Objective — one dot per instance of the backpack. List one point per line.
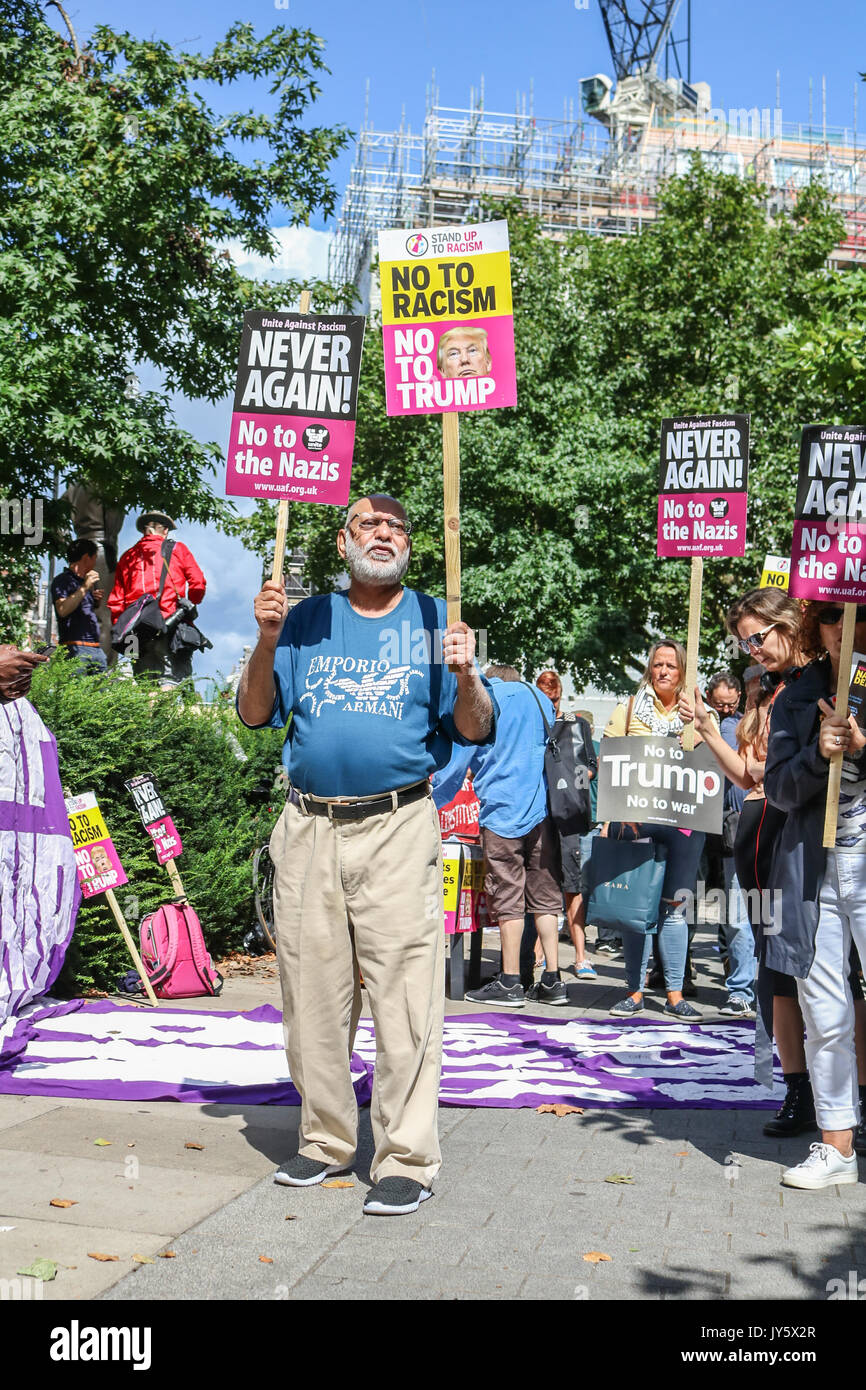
(568, 757)
(175, 955)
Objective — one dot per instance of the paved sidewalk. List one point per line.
(522, 1197)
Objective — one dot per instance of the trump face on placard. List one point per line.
(463, 352)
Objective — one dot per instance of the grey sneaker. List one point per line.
(737, 1008)
(626, 1007)
(683, 1011)
(306, 1172)
(555, 994)
(495, 992)
(395, 1197)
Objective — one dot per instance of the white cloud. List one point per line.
(301, 254)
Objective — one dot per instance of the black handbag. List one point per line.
(143, 618)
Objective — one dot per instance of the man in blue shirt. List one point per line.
(75, 595)
(365, 678)
(520, 843)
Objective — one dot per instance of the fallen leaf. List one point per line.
(168, 1254)
(633, 1249)
(682, 1153)
(265, 1260)
(96, 1255)
(40, 1269)
(558, 1109)
(619, 1177)
(143, 1260)
(61, 1202)
(337, 1182)
(102, 1143)
(594, 1257)
(130, 1146)
(291, 1217)
(190, 1145)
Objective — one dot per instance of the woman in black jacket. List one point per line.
(823, 892)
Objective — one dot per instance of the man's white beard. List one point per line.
(368, 571)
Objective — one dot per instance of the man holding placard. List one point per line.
(378, 690)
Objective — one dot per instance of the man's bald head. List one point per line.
(375, 502)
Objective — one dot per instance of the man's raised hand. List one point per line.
(458, 648)
(270, 609)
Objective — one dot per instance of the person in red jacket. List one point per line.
(139, 571)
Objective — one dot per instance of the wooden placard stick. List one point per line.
(283, 504)
(693, 642)
(451, 481)
(834, 782)
(172, 871)
(131, 946)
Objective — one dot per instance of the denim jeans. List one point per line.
(738, 937)
(92, 657)
(672, 931)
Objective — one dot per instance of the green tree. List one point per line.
(120, 188)
(558, 496)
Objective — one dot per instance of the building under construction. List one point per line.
(597, 170)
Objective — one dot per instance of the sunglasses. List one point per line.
(829, 617)
(756, 641)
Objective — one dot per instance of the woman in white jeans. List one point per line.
(823, 891)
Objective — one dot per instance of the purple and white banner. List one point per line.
(39, 893)
(112, 1052)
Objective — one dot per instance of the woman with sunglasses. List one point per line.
(823, 891)
(767, 626)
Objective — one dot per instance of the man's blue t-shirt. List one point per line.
(371, 699)
(508, 776)
(82, 624)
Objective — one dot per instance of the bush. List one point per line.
(223, 803)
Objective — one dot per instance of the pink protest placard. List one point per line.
(154, 817)
(293, 424)
(96, 859)
(447, 320)
(166, 839)
(703, 478)
(828, 555)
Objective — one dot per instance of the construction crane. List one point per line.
(638, 33)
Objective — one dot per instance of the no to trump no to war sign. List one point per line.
(702, 486)
(293, 423)
(99, 868)
(828, 556)
(447, 320)
(656, 781)
(155, 818)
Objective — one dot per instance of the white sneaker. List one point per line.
(824, 1167)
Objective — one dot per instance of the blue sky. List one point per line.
(737, 46)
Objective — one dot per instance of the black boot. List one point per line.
(796, 1115)
(860, 1131)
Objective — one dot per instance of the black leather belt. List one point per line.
(357, 810)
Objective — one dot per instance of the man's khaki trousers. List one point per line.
(363, 893)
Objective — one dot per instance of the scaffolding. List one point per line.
(577, 175)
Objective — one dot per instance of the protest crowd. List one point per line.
(603, 842)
